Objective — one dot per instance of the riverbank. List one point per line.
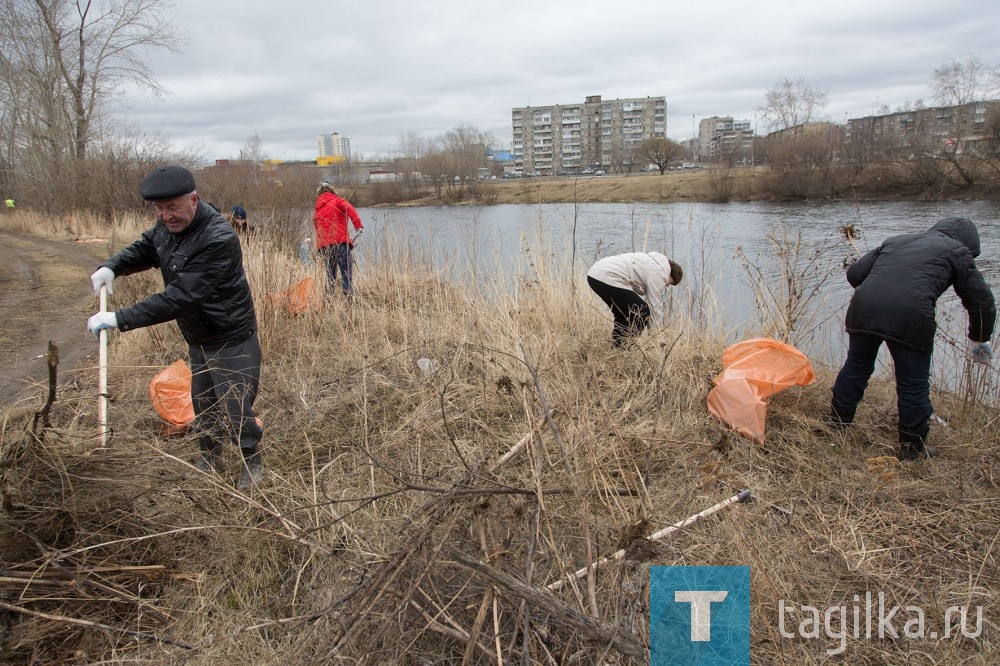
(671, 187)
(429, 486)
(706, 185)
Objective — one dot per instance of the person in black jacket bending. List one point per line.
(206, 291)
(896, 288)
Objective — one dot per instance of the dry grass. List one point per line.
(382, 480)
(673, 186)
(715, 183)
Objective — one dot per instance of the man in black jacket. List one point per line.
(206, 291)
(896, 288)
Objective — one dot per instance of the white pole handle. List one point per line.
(102, 405)
(666, 531)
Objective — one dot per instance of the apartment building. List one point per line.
(333, 147)
(724, 139)
(928, 128)
(596, 134)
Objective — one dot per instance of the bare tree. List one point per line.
(991, 143)
(961, 86)
(792, 103)
(237, 180)
(412, 149)
(958, 83)
(659, 151)
(465, 150)
(801, 166)
(62, 65)
(412, 146)
(116, 164)
(95, 47)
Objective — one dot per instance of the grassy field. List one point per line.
(713, 184)
(672, 186)
(421, 517)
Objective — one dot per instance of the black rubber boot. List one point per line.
(839, 418)
(914, 447)
(253, 468)
(210, 460)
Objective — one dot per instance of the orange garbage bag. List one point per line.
(171, 394)
(752, 371)
(299, 298)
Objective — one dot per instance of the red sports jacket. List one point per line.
(330, 219)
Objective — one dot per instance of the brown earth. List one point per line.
(45, 295)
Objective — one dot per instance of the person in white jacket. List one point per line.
(634, 286)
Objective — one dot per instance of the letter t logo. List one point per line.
(701, 610)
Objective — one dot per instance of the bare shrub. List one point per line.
(787, 281)
(721, 183)
(730, 184)
(799, 167)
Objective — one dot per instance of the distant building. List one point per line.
(333, 146)
(597, 134)
(724, 139)
(814, 128)
(961, 127)
(384, 176)
(502, 162)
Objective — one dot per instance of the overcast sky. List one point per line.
(289, 70)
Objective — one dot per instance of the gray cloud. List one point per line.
(373, 71)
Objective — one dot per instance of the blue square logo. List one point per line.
(699, 615)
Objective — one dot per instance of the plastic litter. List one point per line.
(752, 371)
(427, 366)
(306, 251)
(170, 391)
(298, 299)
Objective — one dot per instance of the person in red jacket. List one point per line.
(333, 240)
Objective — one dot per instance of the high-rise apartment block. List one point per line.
(334, 147)
(597, 134)
(723, 138)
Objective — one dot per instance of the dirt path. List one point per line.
(45, 295)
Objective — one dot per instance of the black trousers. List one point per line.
(630, 311)
(224, 384)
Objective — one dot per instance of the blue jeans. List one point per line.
(913, 385)
(338, 257)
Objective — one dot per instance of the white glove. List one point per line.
(101, 321)
(102, 277)
(980, 352)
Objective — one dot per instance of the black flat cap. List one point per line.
(167, 182)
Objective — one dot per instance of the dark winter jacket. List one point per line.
(206, 289)
(896, 286)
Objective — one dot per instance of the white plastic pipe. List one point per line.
(665, 532)
(102, 381)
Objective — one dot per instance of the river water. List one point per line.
(731, 253)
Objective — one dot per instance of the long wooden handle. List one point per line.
(102, 405)
(666, 531)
